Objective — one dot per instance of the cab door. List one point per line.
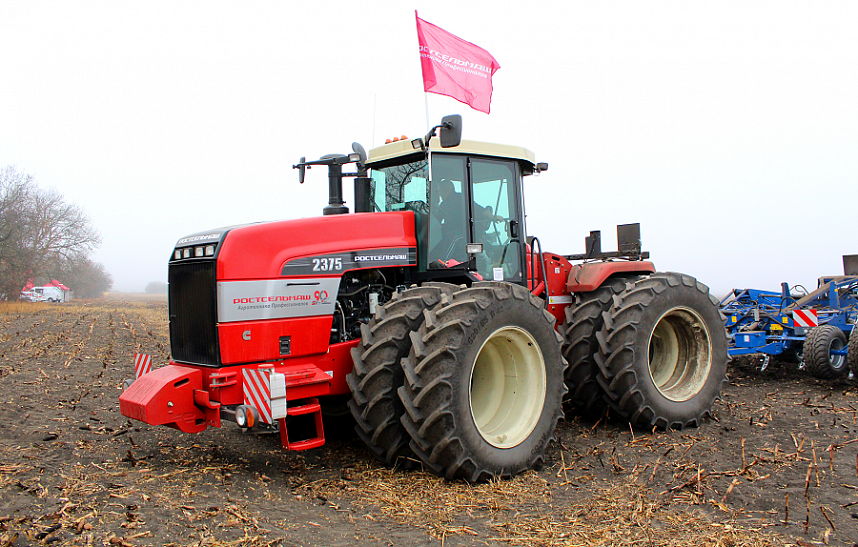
(495, 215)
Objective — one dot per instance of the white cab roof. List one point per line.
(405, 148)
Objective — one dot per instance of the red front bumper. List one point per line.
(173, 396)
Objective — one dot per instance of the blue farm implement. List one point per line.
(813, 329)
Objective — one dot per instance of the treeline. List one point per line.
(44, 237)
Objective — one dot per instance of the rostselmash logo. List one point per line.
(452, 62)
(321, 297)
(197, 238)
(363, 258)
(261, 299)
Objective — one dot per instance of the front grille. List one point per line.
(193, 312)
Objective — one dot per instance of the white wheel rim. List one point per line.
(679, 354)
(507, 388)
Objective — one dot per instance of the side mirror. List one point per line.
(302, 169)
(451, 130)
(360, 151)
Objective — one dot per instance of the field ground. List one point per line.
(777, 466)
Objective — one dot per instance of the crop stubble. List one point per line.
(778, 464)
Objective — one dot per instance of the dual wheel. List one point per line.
(650, 351)
(819, 345)
(466, 381)
(470, 381)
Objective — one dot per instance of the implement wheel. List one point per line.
(817, 352)
(484, 383)
(663, 352)
(852, 351)
(377, 374)
(583, 321)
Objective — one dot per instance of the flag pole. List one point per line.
(426, 99)
(428, 128)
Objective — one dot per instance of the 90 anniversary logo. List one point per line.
(321, 297)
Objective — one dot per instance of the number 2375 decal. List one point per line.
(327, 264)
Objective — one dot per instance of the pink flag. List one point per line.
(454, 67)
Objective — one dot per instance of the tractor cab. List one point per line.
(466, 197)
(467, 202)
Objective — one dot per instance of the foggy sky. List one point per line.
(728, 130)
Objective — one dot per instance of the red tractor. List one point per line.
(430, 316)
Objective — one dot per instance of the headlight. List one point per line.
(245, 416)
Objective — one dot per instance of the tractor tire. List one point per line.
(484, 383)
(852, 351)
(377, 374)
(817, 352)
(583, 321)
(663, 352)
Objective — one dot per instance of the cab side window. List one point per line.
(448, 229)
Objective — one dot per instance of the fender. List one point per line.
(589, 277)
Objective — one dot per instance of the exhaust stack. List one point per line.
(336, 205)
(335, 162)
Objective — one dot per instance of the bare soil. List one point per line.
(778, 464)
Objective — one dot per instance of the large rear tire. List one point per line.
(377, 373)
(583, 321)
(817, 352)
(484, 383)
(663, 352)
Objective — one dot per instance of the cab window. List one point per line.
(405, 188)
(448, 219)
(401, 187)
(494, 216)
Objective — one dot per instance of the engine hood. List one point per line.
(263, 250)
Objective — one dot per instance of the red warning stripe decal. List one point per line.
(142, 364)
(805, 318)
(257, 392)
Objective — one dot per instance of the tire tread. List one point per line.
(377, 374)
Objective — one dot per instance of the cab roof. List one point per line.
(405, 148)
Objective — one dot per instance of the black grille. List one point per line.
(193, 312)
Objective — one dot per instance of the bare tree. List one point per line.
(16, 261)
(60, 230)
(88, 279)
(39, 231)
